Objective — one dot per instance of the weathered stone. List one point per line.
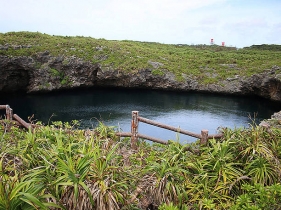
(274, 121)
(44, 72)
(155, 65)
(14, 73)
(4, 47)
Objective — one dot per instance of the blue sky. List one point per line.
(238, 23)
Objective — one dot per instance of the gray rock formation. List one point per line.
(274, 121)
(44, 72)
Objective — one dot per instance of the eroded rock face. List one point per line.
(14, 74)
(272, 89)
(55, 73)
(264, 85)
(44, 72)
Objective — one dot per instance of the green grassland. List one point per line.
(206, 63)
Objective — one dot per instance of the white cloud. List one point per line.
(166, 21)
(164, 9)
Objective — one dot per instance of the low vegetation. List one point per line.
(60, 167)
(206, 63)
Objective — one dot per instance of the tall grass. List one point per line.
(60, 167)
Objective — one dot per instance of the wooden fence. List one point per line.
(14, 117)
(204, 136)
(134, 134)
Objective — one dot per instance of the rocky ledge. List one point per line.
(274, 121)
(45, 73)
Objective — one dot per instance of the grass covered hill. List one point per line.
(205, 63)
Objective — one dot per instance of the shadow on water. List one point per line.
(190, 111)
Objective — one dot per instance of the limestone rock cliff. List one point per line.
(43, 73)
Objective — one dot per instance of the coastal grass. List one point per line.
(206, 63)
(59, 166)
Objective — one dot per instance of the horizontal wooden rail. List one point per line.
(144, 120)
(124, 134)
(195, 135)
(215, 136)
(128, 134)
(3, 106)
(152, 139)
(22, 122)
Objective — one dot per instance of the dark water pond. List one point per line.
(189, 111)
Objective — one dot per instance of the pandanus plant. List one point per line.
(87, 177)
(18, 191)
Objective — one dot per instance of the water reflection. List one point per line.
(190, 111)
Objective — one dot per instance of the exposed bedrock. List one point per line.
(45, 73)
(14, 74)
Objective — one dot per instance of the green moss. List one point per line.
(65, 62)
(157, 72)
(38, 65)
(65, 81)
(208, 80)
(54, 72)
(180, 78)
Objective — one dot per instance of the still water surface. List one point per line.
(189, 111)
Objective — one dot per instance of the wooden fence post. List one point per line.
(9, 117)
(204, 137)
(134, 129)
(9, 113)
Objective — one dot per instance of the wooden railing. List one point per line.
(204, 136)
(14, 117)
(134, 134)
